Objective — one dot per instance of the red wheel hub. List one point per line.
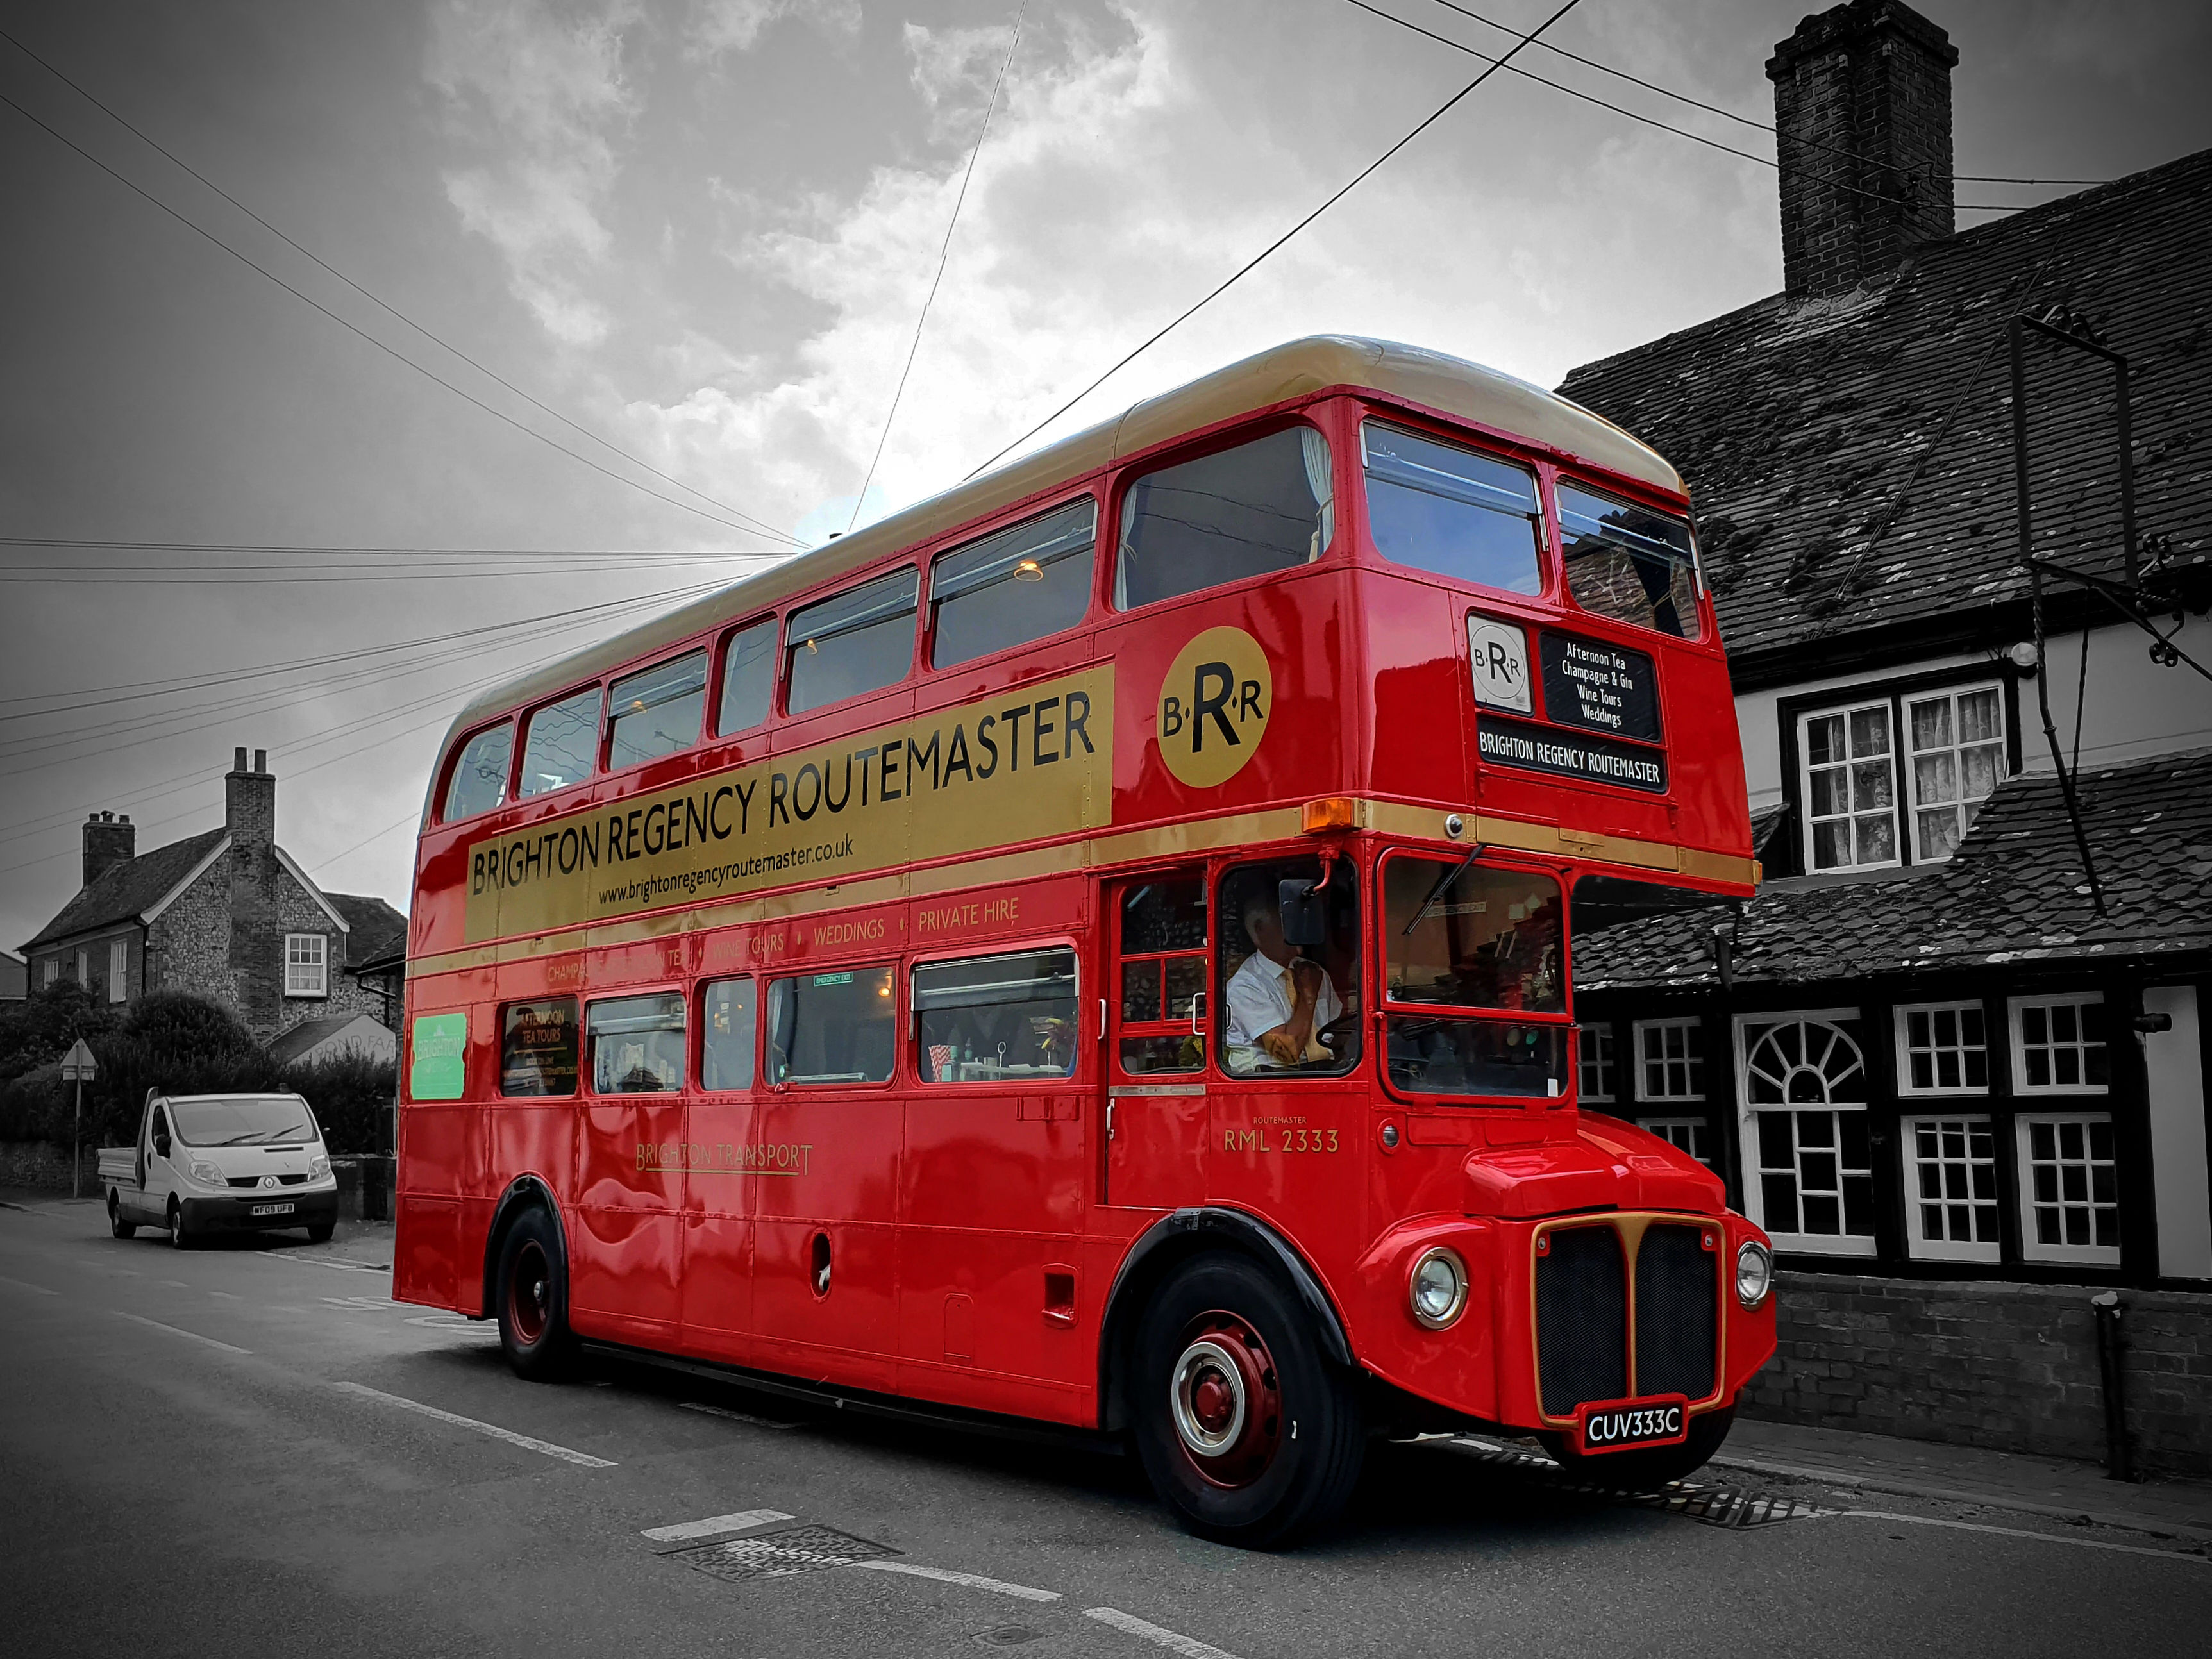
(529, 1294)
(1225, 1401)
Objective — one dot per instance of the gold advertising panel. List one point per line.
(1019, 767)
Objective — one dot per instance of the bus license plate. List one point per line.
(1619, 1424)
(272, 1209)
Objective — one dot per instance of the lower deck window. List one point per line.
(538, 1047)
(637, 1044)
(726, 1043)
(832, 1027)
(990, 1017)
(1162, 941)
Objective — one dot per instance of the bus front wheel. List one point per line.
(533, 1299)
(1251, 1436)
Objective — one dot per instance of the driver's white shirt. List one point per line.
(1260, 1000)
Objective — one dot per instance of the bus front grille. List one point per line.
(1677, 1312)
(1583, 1335)
(1582, 1318)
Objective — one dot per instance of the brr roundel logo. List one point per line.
(1213, 707)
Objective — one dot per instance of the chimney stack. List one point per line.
(249, 801)
(108, 841)
(1862, 107)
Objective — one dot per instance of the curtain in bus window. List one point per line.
(1288, 1006)
(479, 779)
(656, 711)
(1242, 513)
(637, 1044)
(726, 1042)
(1011, 1016)
(1441, 507)
(860, 641)
(748, 679)
(561, 745)
(537, 1046)
(1629, 562)
(832, 1027)
(1017, 586)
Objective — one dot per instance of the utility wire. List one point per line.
(1250, 264)
(389, 310)
(86, 544)
(400, 824)
(395, 355)
(943, 255)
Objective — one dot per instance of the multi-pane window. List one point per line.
(2058, 1044)
(1958, 740)
(1951, 1188)
(1850, 788)
(1942, 1049)
(562, 739)
(119, 970)
(1670, 1060)
(479, 779)
(656, 711)
(305, 965)
(2069, 1188)
(1692, 1135)
(860, 641)
(1163, 946)
(1595, 1059)
(1811, 1176)
(1017, 586)
(1444, 507)
(1264, 506)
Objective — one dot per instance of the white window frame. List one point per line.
(1692, 1065)
(296, 984)
(1888, 706)
(2091, 1256)
(119, 970)
(1908, 756)
(1683, 1134)
(84, 968)
(1603, 1064)
(1918, 1245)
(1755, 1195)
(2020, 1085)
(1901, 1016)
(50, 972)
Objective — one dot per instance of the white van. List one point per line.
(211, 1164)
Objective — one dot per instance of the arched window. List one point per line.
(1805, 1130)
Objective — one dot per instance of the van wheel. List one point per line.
(178, 1238)
(321, 1231)
(116, 1224)
(1251, 1436)
(533, 1299)
(1642, 1471)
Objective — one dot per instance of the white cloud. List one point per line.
(718, 26)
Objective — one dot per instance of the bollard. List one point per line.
(2118, 1465)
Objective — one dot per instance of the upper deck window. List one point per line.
(479, 779)
(860, 641)
(562, 738)
(1442, 507)
(748, 679)
(1267, 505)
(1017, 586)
(1629, 562)
(656, 711)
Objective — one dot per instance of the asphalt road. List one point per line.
(249, 1450)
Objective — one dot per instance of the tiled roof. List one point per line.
(294, 1042)
(1832, 498)
(373, 928)
(2014, 892)
(127, 892)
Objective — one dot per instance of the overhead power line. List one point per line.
(365, 551)
(390, 351)
(1427, 122)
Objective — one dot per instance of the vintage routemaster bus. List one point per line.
(1097, 948)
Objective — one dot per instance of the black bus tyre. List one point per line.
(1642, 1471)
(116, 1224)
(531, 1294)
(1251, 1436)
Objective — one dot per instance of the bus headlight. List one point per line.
(1438, 1289)
(1754, 1272)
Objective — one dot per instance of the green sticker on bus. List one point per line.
(441, 1044)
(833, 979)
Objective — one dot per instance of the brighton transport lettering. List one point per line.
(1138, 994)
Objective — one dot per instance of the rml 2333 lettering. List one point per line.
(1287, 1140)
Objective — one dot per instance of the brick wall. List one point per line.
(2010, 1367)
(224, 938)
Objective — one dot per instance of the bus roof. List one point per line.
(1298, 368)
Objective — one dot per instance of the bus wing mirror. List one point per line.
(1304, 913)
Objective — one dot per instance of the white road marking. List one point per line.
(176, 1331)
(2016, 1532)
(36, 1290)
(1174, 1641)
(172, 1284)
(226, 1295)
(971, 1581)
(738, 1523)
(582, 1460)
(455, 1322)
(734, 1417)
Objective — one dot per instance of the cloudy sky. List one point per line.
(685, 241)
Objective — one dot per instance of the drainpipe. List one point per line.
(2118, 1465)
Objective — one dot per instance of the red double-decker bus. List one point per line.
(1097, 948)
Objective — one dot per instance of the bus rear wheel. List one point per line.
(1642, 1471)
(1251, 1436)
(532, 1299)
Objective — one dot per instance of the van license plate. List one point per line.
(1619, 1424)
(272, 1209)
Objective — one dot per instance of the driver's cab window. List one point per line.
(160, 1131)
(1289, 967)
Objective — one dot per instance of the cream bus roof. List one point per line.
(1430, 378)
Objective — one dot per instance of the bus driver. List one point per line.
(1278, 1001)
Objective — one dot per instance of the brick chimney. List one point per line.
(249, 801)
(108, 841)
(1863, 106)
